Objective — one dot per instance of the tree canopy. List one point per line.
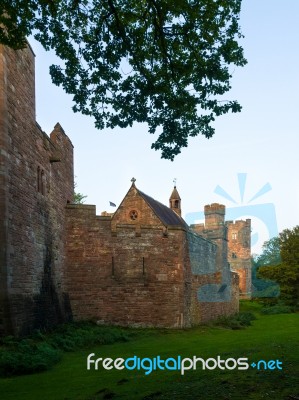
(167, 63)
(270, 253)
(270, 256)
(286, 272)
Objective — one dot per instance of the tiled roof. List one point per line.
(164, 213)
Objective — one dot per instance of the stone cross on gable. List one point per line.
(133, 180)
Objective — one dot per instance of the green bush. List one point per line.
(267, 301)
(70, 337)
(41, 351)
(276, 309)
(236, 321)
(26, 357)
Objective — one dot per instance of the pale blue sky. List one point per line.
(261, 141)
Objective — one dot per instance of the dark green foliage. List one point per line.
(26, 357)
(237, 321)
(263, 288)
(41, 351)
(276, 309)
(270, 254)
(286, 273)
(267, 301)
(79, 198)
(166, 63)
(70, 337)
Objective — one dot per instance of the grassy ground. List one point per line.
(270, 337)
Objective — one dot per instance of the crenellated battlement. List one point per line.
(239, 223)
(214, 208)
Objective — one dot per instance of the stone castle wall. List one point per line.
(36, 183)
(120, 277)
(219, 286)
(60, 261)
(134, 272)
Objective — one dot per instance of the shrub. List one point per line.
(277, 309)
(70, 337)
(236, 321)
(26, 357)
(41, 351)
(267, 301)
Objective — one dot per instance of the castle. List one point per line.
(141, 266)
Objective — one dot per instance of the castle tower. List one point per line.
(216, 231)
(214, 216)
(175, 201)
(36, 183)
(239, 253)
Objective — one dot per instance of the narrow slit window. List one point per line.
(42, 182)
(38, 183)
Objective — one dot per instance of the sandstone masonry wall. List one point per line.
(121, 276)
(239, 254)
(140, 267)
(36, 183)
(215, 288)
(137, 272)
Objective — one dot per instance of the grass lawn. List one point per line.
(270, 337)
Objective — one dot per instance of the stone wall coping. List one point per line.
(81, 206)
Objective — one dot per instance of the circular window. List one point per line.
(133, 215)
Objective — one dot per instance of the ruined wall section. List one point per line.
(239, 253)
(123, 273)
(38, 182)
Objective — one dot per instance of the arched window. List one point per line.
(176, 204)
